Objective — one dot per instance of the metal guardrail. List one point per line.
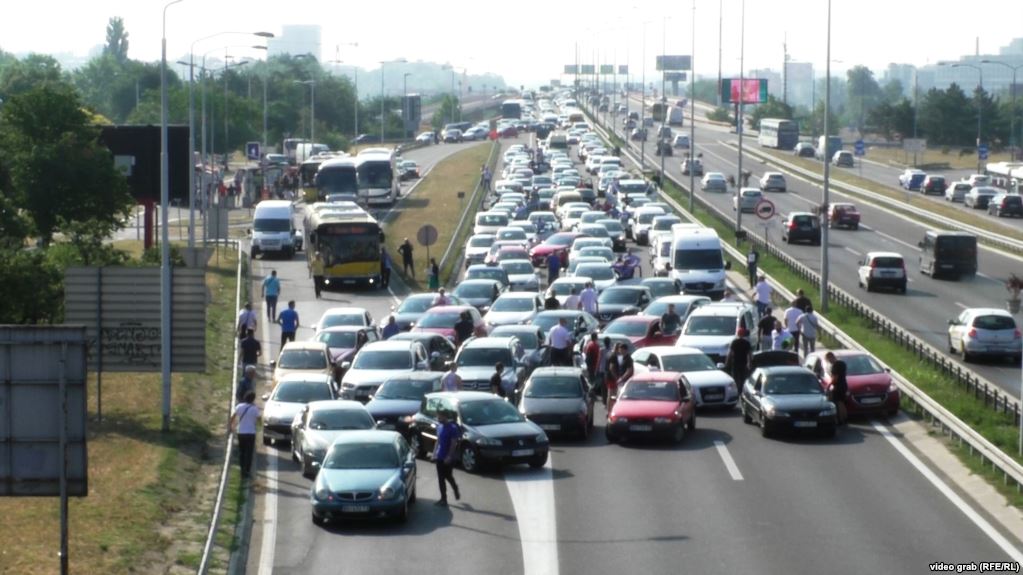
(207, 551)
(987, 236)
(475, 200)
(993, 397)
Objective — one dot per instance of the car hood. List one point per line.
(542, 406)
(523, 278)
(501, 430)
(448, 332)
(478, 301)
(618, 308)
(805, 402)
(707, 343)
(339, 480)
(404, 320)
(321, 438)
(384, 407)
(508, 317)
(545, 249)
(367, 376)
(870, 383)
(711, 275)
(708, 378)
(643, 408)
(281, 411)
(475, 252)
(481, 373)
(338, 354)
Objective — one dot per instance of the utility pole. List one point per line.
(825, 199)
(738, 119)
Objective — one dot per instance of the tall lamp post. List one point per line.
(355, 76)
(692, 113)
(738, 119)
(827, 171)
(383, 93)
(642, 102)
(227, 145)
(1013, 142)
(312, 107)
(404, 105)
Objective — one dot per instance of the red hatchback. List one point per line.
(442, 319)
(655, 404)
(559, 242)
(871, 388)
(843, 215)
(642, 331)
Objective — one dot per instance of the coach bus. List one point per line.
(511, 109)
(337, 176)
(778, 133)
(377, 172)
(343, 249)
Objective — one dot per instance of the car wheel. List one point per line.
(294, 453)
(470, 459)
(856, 226)
(538, 461)
(892, 412)
(610, 436)
(584, 432)
(967, 357)
(679, 433)
(765, 427)
(415, 444)
(746, 418)
(266, 440)
(828, 432)
(308, 471)
(951, 348)
(317, 520)
(870, 287)
(902, 289)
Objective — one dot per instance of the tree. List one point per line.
(772, 108)
(117, 40)
(893, 91)
(947, 117)
(59, 173)
(863, 94)
(893, 120)
(31, 72)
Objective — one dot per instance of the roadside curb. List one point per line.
(243, 535)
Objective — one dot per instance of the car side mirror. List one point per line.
(920, 244)
(952, 322)
(273, 364)
(720, 365)
(345, 365)
(248, 232)
(863, 262)
(266, 396)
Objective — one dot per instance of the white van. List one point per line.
(490, 222)
(273, 229)
(698, 261)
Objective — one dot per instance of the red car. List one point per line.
(871, 388)
(843, 214)
(442, 319)
(655, 404)
(642, 331)
(556, 243)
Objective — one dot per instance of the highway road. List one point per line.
(726, 500)
(928, 304)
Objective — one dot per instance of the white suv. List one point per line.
(882, 269)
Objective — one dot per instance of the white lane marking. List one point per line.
(895, 239)
(730, 465)
(985, 276)
(269, 542)
(852, 251)
(952, 496)
(962, 305)
(532, 495)
(393, 296)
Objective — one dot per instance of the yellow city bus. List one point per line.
(343, 249)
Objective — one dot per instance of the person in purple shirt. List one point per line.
(444, 454)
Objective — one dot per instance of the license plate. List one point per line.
(888, 274)
(870, 400)
(804, 424)
(551, 427)
(522, 452)
(713, 397)
(355, 509)
(641, 428)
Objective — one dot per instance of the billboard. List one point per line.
(607, 69)
(587, 69)
(571, 69)
(752, 90)
(623, 69)
(673, 63)
(136, 151)
(674, 76)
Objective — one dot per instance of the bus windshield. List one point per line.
(375, 174)
(345, 243)
(337, 180)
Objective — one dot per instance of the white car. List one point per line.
(956, 191)
(713, 387)
(641, 221)
(986, 332)
(477, 247)
(714, 182)
(521, 275)
(883, 269)
(562, 287)
(425, 138)
(601, 273)
(344, 316)
(711, 328)
(571, 217)
(514, 308)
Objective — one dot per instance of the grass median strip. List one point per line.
(435, 201)
(149, 492)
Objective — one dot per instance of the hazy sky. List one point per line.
(529, 41)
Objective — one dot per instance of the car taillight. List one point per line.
(1017, 335)
(792, 225)
(972, 333)
(873, 264)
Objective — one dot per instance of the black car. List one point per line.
(805, 150)
(408, 312)
(493, 431)
(399, 398)
(801, 227)
(558, 399)
(619, 300)
(1004, 205)
(439, 348)
(789, 398)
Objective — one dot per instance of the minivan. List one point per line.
(557, 141)
(697, 261)
(948, 254)
(273, 230)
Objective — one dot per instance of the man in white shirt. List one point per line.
(572, 301)
(792, 323)
(588, 300)
(762, 295)
(451, 380)
(560, 341)
(246, 320)
(781, 339)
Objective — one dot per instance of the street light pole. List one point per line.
(664, 120)
(827, 172)
(1012, 116)
(692, 113)
(382, 63)
(738, 119)
(404, 105)
(980, 102)
(312, 107)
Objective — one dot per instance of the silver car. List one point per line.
(747, 199)
(319, 423)
(714, 182)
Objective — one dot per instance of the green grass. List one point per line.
(449, 272)
(938, 158)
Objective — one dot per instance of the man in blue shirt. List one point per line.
(444, 454)
(289, 323)
(553, 267)
(271, 290)
(391, 329)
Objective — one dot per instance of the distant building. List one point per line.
(773, 78)
(904, 73)
(295, 40)
(997, 78)
(799, 84)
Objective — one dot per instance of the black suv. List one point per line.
(1006, 205)
(801, 227)
(933, 185)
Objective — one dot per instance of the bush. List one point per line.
(151, 257)
(35, 288)
(719, 114)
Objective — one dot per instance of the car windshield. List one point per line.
(301, 391)
(597, 252)
(710, 325)
(271, 225)
(361, 456)
(619, 296)
(994, 322)
(651, 391)
(687, 362)
(517, 268)
(439, 319)
(492, 220)
(488, 412)
(560, 239)
(861, 365)
(646, 218)
(888, 262)
(480, 242)
(302, 359)
(658, 308)
(612, 226)
(404, 389)
(549, 387)
(342, 339)
(383, 359)
(475, 291)
(334, 419)
(665, 224)
(792, 384)
(416, 304)
(627, 328)
(528, 339)
(484, 356)
(698, 259)
(513, 304)
(565, 288)
(546, 322)
(597, 272)
(343, 319)
(596, 231)
(487, 273)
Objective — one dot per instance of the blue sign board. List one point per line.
(252, 150)
(982, 152)
(859, 148)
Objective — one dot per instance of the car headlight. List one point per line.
(827, 411)
(489, 442)
(720, 284)
(322, 493)
(892, 388)
(619, 419)
(769, 410)
(541, 437)
(387, 492)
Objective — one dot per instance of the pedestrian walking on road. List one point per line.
(791, 321)
(271, 290)
(441, 299)
(246, 384)
(839, 389)
(433, 273)
(588, 300)
(405, 249)
(764, 328)
(801, 301)
(444, 454)
(762, 294)
(247, 321)
(552, 301)
(464, 328)
(495, 379)
(591, 353)
(559, 339)
(251, 349)
(385, 268)
(621, 368)
(451, 381)
(739, 358)
(289, 323)
(243, 421)
(572, 301)
(781, 338)
(752, 259)
(553, 268)
(391, 329)
(808, 324)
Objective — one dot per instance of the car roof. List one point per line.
(561, 370)
(388, 345)
(884, 255)
(988, 311)
(713, 309)
(656, 376)
(367, 436)
(460, 396)
(348, 309)
(451, 308)
(628, 287)
(305, 345)
(300, 376)
(489, 341)
(345, 328)
(415, 376)
(784, 369)
(336, 404)
(476, 281)
(666, 350)
(634, 319)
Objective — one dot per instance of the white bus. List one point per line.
(778, 133)
(377, 172)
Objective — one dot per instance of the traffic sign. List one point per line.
(859, 148)
(252, 150)
(764, 209)
(427, 235)
(982, 152)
